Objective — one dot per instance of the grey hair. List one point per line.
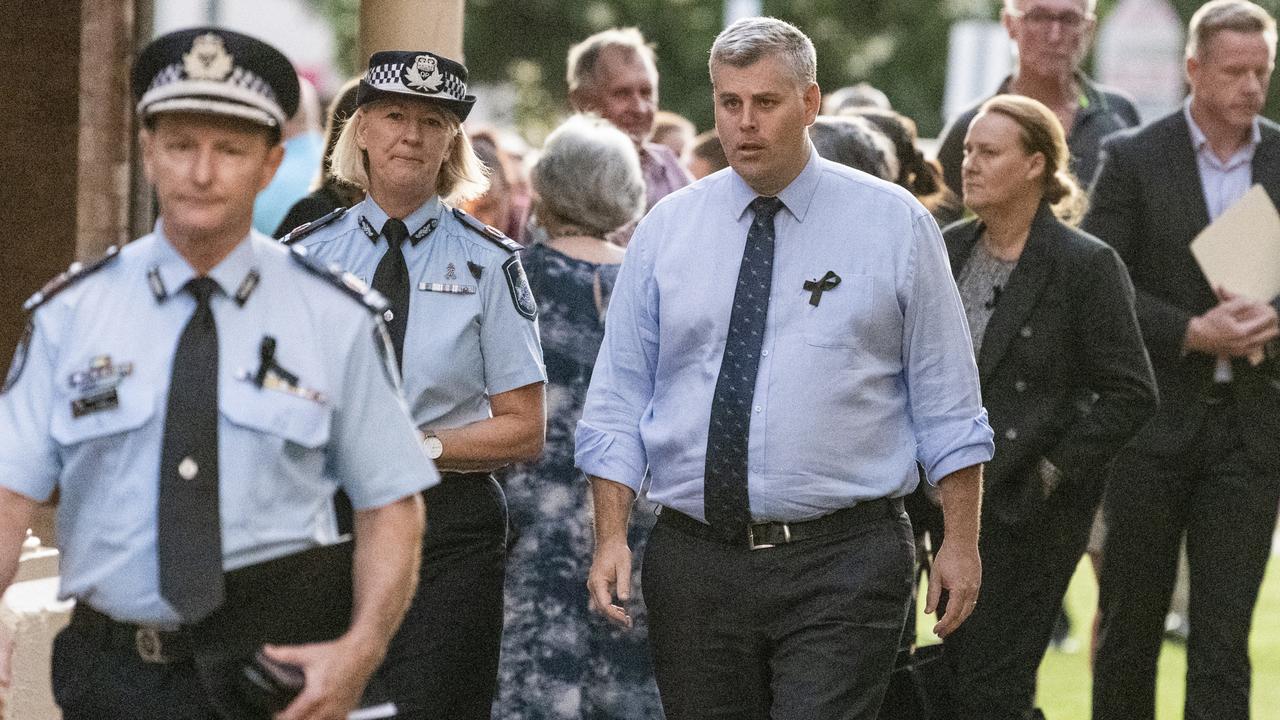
(1234, 15)
(588, 176)
(748, 40)
(855, 142)
(585, 56)
(1089, 6)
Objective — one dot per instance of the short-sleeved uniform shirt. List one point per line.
(472, 330)
(84, 412)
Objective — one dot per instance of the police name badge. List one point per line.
(97, 385)
(19, 358)
(518, 284)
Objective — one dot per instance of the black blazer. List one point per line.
(1148, 203)
(1064, 373)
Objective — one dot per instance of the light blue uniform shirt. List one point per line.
(283, 451)
(466, 339)
(849, 393)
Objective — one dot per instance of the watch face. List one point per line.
(435, 448)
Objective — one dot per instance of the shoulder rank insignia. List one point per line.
(73, 274)
(353, 286)
(490, 233)
(306, 229)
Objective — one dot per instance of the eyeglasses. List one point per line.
(1042, 19)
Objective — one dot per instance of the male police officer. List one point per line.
(196, 399)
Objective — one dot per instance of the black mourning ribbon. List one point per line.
(821, 285)
(391, 278)
(725, 498)
(189, 537)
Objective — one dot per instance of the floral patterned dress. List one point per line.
(559, 660)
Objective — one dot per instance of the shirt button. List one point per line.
(758, 408)
(1026, 331)
(1020, 385)
(764, 353)
(1011, 434)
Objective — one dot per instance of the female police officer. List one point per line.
(463, 323)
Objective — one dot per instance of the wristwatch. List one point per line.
(434, 447)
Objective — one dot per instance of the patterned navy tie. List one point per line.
(189, 542)
(727, 505)
(391, 278)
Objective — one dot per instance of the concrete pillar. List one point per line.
(434, 25)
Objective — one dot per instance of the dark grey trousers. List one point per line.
(805, 631)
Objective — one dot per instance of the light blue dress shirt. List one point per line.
(1223, 182)
(283, 450)
(292, 181)
(850, 393)
(465, 340)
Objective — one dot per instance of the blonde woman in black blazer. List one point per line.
(1065, 380)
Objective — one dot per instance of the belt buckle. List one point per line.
(147, 642)
(751, 537)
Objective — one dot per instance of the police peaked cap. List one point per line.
(217, 72)
(397, 74)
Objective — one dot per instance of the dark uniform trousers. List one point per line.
(97, 676)
(1226, 501)
(443, 661)
(803, 631)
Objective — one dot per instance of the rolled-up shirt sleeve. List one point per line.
(943, 392)
(608, 439)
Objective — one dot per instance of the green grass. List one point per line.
(1065, 680)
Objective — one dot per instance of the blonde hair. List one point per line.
(462, 175)
(1234, 15)
(1040, 131)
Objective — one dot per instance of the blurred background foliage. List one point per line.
(899, 46)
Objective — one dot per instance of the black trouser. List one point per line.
(994, 657)
(443, 662)
(95, 677)
(1225, 503)
(803, 630)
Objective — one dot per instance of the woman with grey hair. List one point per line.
(557, 660)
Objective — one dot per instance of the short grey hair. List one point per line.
(589, 177)
(585, 56)
(853, 141)
(747, 41)
(1089, 6)
(1234, 15)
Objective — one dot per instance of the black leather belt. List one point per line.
(152, 644)
(771, 534)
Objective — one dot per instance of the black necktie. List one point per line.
(392, 280)
(189, 538)
(727, 505)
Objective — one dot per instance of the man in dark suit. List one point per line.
(1207, 465)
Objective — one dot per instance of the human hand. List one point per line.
(1236, 327)
(610, 576)
(958, 570)
(336, 673)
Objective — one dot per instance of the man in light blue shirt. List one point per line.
(779, 395)
(194, 401)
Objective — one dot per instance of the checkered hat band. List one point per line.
(390, 78)
(239, 77)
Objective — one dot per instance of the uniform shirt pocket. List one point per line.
(130, 405)
(302, 421)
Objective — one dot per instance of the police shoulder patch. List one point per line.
(490, 233)
(72, 275)
(518, 284)
(19, 358)
(349, 284)
(306, 229)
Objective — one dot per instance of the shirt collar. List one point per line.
(1199, 139)
(795, 197)
(421, 222)
(169, 271)
(1090, 99)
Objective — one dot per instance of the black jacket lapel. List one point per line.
(1020, 292)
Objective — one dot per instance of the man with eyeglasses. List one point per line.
(1052, 37)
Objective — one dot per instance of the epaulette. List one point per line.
(64, 280)
(490, 233)
(307, 228)
(349, 284)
